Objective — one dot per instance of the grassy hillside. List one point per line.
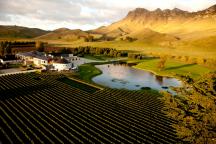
(177, 49)
(63, 34)
(20, 32)
(173, 32)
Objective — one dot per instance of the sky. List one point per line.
(82, 14)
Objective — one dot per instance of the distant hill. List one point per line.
(20, 32)
(64, 34)
(171, 26)
(174, 21)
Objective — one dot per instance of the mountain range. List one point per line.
(160, 27)
(164, 25)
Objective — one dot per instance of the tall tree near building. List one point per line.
(39, 46)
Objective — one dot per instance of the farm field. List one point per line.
(119, 72)
(41, 108)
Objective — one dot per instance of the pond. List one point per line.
(126, 77)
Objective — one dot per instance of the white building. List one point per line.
(33, 57)
(43, 61)
(61, 64)
(1, 61)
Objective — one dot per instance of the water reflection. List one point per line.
(125, 77)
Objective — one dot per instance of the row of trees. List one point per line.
(198, 60)
(135, 56)
(7, 47)
(98, 51)
(89, 38)
(80, 51)
(104, 37)
(129, 39)
(194, 109)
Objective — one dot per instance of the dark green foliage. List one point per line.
(6, 47)
(135, 56)
(195, 110)
(39, 46)
(145, 88)
(65, 51)
(98, 51)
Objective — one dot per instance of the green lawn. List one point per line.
(15, 65)
(173, 67)
(87, 72)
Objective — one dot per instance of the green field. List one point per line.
(87, 72)
(172, 68)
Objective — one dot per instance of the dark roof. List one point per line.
(61, 61)
(34, 54)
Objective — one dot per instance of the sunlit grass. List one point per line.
(179, 49)
(173, 67)
(88, 71)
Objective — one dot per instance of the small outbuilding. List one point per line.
(61, 64)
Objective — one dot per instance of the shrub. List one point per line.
(161, 63)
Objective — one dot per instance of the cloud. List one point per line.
(84, 14)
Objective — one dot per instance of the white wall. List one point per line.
(60, 67)
(40, 62)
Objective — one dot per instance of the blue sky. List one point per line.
(82, 14)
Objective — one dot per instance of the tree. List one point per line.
(194, 109)
(130, 39)
(39, 46)
(89, 38)
(2, 48)
(7, 48)
(111, 53)
(119, 54)
(161, 63)
(66, 51)
(132, 55)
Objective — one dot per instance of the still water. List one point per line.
(125, 77)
